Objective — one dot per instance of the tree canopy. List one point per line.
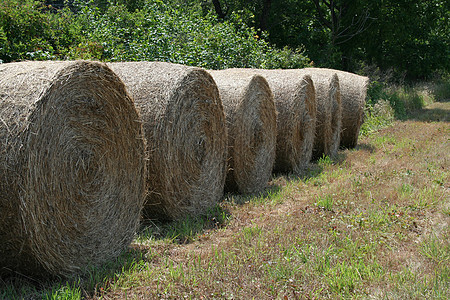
(407, 36)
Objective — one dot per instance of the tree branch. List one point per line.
(321, 18)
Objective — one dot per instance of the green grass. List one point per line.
(372, 223)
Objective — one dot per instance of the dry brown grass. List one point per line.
(72, 172)
(375, 239)
(184, 124)
(251, 120)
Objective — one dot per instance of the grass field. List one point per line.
(371, 224)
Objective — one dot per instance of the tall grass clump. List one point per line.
(388, 100)
(441, 88)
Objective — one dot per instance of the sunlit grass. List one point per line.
(369, 224)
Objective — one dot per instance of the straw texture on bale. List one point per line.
(353, 96)
(184, 124)
(329, 113)
(251, 122)
(295, 102)
(72, 173)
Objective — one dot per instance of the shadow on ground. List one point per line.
(93, 281)
(365, 147)
(185, 230)
(436, 112)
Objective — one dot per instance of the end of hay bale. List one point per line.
(329, 113)
(81, 167)
(251, 121)
(295, 102)
(184, 124)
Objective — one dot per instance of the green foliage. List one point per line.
(130, 30)
(3, 43)
(408, 36)
(24, 28)
(160, 32)
(325, 203)
(64, 292)
(410, 39)
(31, 30)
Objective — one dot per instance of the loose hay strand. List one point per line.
(251, 122)
(71, 166)
(184, 124)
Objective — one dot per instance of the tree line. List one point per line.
(409, 37)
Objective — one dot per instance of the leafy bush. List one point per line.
(31, 30)
(101, 30)
(165, 33)
(378, 116)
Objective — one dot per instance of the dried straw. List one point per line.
(184, 124)
(295, 101)
(353, 95)
(251, 122)
(329, 113)
(72, 176)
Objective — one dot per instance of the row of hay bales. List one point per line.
(86, 148)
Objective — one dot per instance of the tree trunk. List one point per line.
(264, 16)
(218, 9)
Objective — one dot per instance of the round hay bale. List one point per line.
(295, 102)
(329, 113)
(353, 95)
(252, 130)
(72, 171)
(184, 124)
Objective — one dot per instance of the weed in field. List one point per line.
(325, 161)
(436, 249)
(325, 202)
(406, 190)
(64, 292)
(377, 117)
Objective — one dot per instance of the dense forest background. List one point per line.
(408, 38)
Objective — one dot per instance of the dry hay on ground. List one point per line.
(251, 122)
(329, 113)
(353, 96)
(72, 175)
(295, 101)
(184, 124)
